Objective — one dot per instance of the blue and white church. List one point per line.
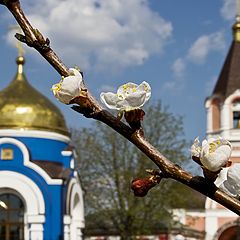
(40, 192)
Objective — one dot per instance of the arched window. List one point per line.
(11, 217)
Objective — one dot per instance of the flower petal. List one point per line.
(126, 89)
(63, 97)
(144, 86)
(69, 87)
(110, 100)
(136, 100)
(214, 156)
(75, 72)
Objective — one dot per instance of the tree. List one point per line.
(86, 105)
(107, 164)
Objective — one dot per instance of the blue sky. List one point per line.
(177, 46)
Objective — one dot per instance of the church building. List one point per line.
(223, 119)
(40, 192)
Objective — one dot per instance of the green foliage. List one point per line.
(107, 164)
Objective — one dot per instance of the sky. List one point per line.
(178, 47)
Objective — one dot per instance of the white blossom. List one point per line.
(232, 183)
(69, 87)
(213, 154)
(128, 97)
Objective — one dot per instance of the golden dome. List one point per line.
(23, 107)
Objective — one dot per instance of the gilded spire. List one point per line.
(18, 44)
(236, 26)
(20, 59)
(20, 62)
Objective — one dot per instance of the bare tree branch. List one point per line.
(90, 108)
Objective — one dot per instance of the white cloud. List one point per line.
(178, 67)
(197, 54)
(228, 10)
(175, 86)
(104, 34)
(204, 45)
(199, 51)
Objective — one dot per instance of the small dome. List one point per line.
(23, 107)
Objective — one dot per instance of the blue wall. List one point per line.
(48, 150)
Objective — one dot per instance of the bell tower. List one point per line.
(223, 119)
(223, 106)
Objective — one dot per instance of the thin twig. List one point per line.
(90, 108)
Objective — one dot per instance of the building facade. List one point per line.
(223, 119)
(40, 193)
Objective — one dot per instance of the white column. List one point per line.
(76, 232)
(36, 231)
(211, 224)
(35, 223)
(67, 222)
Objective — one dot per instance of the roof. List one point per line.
(54, 169)
(156, 230)
(229, 78)
(23, 107)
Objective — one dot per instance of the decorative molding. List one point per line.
(72, 163)
(66, 153)
(232, 97)
(25, 188)
(74, 218)
(66, 222)
(29, 192)
(28, 163)
(34, 134)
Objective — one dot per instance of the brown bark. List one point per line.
(89, 107)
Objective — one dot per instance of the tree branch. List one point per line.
(90, 108)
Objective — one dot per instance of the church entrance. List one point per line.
(11, 217)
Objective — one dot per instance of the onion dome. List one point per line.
(22, 107)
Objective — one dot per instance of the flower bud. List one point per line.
(141, 187)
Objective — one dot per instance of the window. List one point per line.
(236, 119)
(236, 113)
(11, 218)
